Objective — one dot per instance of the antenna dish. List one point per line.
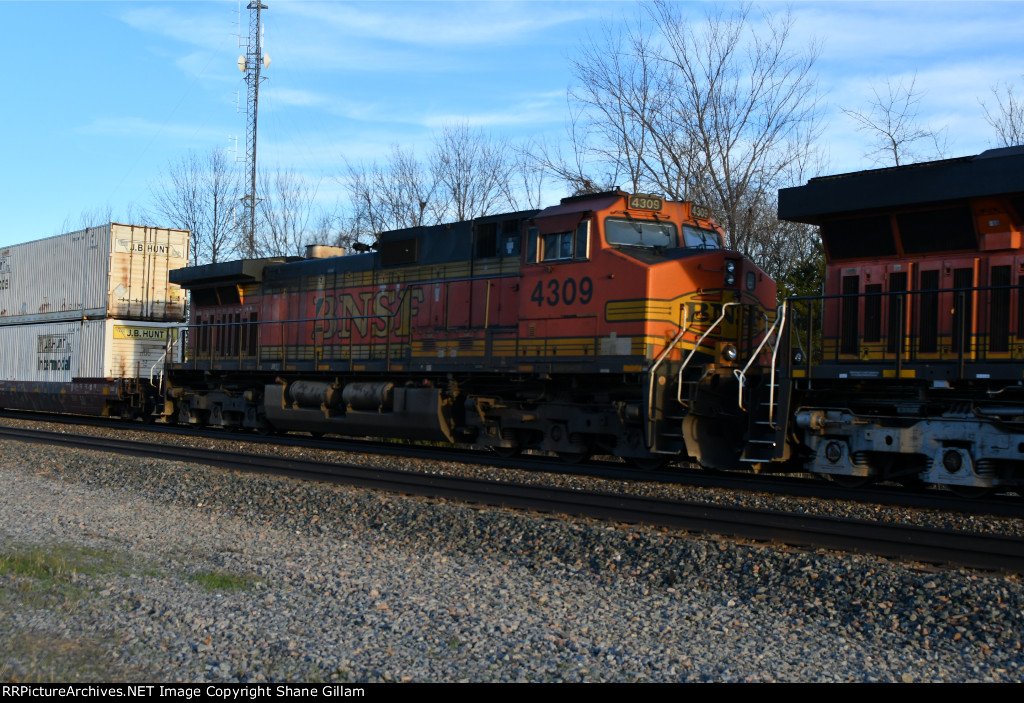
(266, 60)
(241, 64)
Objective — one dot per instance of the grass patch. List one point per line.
(33, 657)
(59, 563)
(56, 577)
(222, 581)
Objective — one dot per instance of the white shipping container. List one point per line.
(110, 271)
(61, 351)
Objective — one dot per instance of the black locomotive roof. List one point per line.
(428, 244)
(992, 172)
(238, 271)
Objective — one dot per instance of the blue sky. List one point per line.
(98, 97)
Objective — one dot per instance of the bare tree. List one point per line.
(525, 185)
(623, 88)
(469, 173)
(290, 216)
(88, 217)
(1008, 119)
(221, 190)
(469, 169)
(392, 195)
(200, 194)
(722, 110)
(746, 115)
(578, 170)
(891, 120)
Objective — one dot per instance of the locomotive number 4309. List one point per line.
(567, 292)
(645, 202)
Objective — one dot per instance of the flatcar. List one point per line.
(909, 367)
(584, 327)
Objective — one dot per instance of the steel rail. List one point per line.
(966, 549)
(799, 486)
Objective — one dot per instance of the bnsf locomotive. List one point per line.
(910, 366)
(610, 323)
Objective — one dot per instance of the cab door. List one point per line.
(556, 289)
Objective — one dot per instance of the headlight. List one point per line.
(730, 266)
(729, 352)
(730, 279)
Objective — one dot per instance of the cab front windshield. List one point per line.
(658, 233)
(641, 233)
(699, 238)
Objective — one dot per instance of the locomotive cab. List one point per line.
(634, 287)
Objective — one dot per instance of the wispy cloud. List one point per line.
(541, 110)
(441, 24)
(139, 128)
(295, 97)
(196, 25)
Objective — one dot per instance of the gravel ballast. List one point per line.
(176, 572)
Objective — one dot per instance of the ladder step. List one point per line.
(769, 442)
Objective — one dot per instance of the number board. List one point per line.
(700, 212)
(645, 202)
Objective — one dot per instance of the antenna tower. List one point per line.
(249, 64)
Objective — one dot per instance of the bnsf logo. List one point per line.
(366, 312)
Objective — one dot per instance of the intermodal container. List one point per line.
(114, 270)
(94, 349)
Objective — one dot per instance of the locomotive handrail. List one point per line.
(696, 346)
(284, 324)
(898, 342)
(652, 372)
(159, 362)
(162, 361)
(780, 322)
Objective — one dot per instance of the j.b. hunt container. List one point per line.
(113, 270)
(57, 352)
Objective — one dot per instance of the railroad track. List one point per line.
(787, 485)
(982, 551)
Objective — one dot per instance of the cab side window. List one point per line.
(560, 246)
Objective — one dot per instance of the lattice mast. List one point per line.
(250, 64)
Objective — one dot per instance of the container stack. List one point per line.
(91, 304)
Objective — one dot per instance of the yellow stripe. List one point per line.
(428, 273)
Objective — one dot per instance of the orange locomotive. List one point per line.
(915, 372)
(590, 326)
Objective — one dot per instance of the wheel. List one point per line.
(970, 492)
(316, 435)
(573, 457)
(648, 463)
(506, 452)
(850, 481)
